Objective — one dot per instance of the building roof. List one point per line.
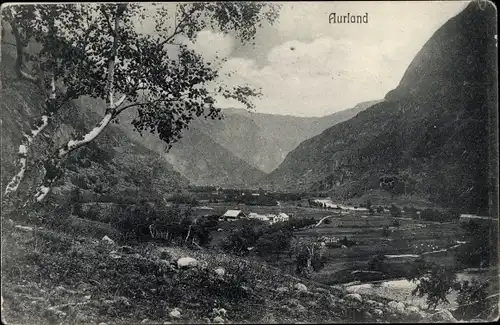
(284, 215)
(232, 213)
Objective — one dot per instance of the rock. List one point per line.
(206, 320)
(219, 312)
(87, 297)
(443, 316)
(102, 323)
(145, 321)
(343, 247)
(187, 262)
(281, 290)
(378, 312)
(300, 287)
(165, 323)
(108, 240)
(398, 307)
(354, 297)
(175, 313)
(10, 222)
(220, 229)
(372, 303)
(114, 255)
(367, 315)
(320, 290)
(301, 309)
(218, 319)
(23, 228)
(412, 310)
(220, 271)
(126, 249)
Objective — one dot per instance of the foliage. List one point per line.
(472, 300)
(96, 50)
(437, 215)
(378, 263)
(436, 285)
(395, 211)
(480, 247)
(385, 231)
(275, 242)
(396, 223)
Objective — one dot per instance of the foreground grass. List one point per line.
(51, 277)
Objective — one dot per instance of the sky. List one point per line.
(308, 67)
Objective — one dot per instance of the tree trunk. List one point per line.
(53, 166)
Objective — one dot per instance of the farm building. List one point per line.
(262, 217)
(233, 215)
(280, 217)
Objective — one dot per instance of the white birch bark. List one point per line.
(56, 160)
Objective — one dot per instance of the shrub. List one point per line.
(437, 285)
(478, 251)
(385, 231)
(472, 300)
(378, 263)
(395, 211)
(380, 209)
(396, 223)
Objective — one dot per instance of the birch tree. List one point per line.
(96, 50)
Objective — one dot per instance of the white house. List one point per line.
(232, 215)
(256, 216)
(280, 217)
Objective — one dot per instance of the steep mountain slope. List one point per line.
(428, 138)
(236, 150)
(112, 165)
(196, 156)
(264, 140)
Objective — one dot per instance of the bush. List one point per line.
(395, 211)
(385, 231)
(478, 251)
(472, 300)
(396, 223)
(378, 263)
(439, 216)
(380, 209)
(437, 285)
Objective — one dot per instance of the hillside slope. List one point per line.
(428, 138)
(112, 165)
(264, 140)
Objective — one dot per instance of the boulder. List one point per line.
(343, 247)
(367, 315)
(378, 312)
(395, 306)
(108, 240)
(300, 287)
(175, 313)
(218, 320)
(220, 312)
(443, 316)
(282, 290)
(412, 311)
(220, 271)
(353, 297)
(320, 290)
(187, 262)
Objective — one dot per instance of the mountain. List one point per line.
(430, 136)
(264, 140)
(114, 165)
(237, 150)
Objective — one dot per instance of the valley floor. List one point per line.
(51, 277)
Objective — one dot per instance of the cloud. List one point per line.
(319, 77)
(211, 45)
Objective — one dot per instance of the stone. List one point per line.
(412, 310)
(218, 319)
(220, 271)
(320, 290)
(187, 262)
(372, 303)
(175, 313)
(367, 315)
(206, 320)
(126, 249)
(343, 247)
(378, 312)
(443, 316)
(354, 297)
(282, 290)
(108, 240)
(220, 312)
(301, 309)
(300, 287)
(396, 306)
(145, 321)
